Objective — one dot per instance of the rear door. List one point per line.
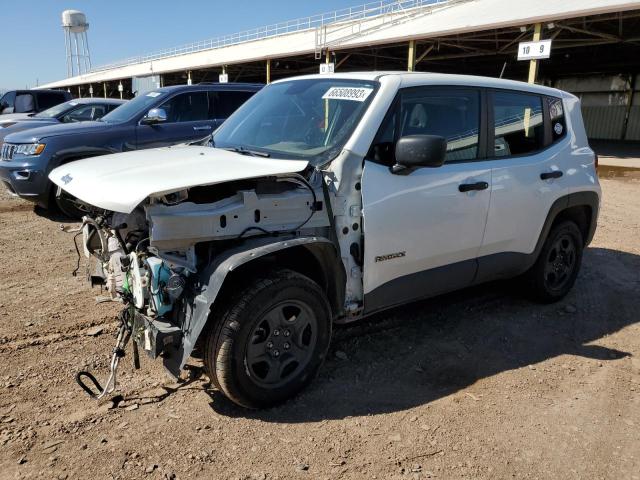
(528, 175)
(188, 119)
(423, 231)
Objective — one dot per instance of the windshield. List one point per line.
(56, 111)
(134, 107)
(306, 119)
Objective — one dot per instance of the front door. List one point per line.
(189, 118)
(423, 231)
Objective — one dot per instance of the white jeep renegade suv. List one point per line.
(327, 198)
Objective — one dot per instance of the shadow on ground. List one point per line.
(422, 352)
(54, 215)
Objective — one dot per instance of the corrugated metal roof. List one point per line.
(449, 19)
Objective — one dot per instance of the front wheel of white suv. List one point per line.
(558, 264)
(269, 343)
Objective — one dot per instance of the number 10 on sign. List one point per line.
(534, 50)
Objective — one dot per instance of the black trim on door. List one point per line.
(419, 285)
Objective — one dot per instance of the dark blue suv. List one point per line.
(158, 118)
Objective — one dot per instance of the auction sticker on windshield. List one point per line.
(356, 94)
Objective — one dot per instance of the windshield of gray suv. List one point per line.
(56, 111)
(141, 104)
(306, 119)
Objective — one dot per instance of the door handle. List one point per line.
(550, 175)
(468, 187)
(204, 127)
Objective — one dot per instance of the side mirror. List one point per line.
(414, 151)
(3, 105)
(154, 116)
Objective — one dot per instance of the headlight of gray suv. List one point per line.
(30, 149)
(9, 150)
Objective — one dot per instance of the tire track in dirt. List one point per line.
(20, 342)
(14, 207)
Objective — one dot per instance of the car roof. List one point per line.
(34, 90)
(86, 100)
(212, 86)
(409, 79)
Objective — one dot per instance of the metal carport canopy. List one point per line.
(455, 17)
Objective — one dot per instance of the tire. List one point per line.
(269, 343)
(67, 204)
(557, 266)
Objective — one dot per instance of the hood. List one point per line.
(14, 116)
(7, 129)
(121, 181)
(28, 122)
(40, 133)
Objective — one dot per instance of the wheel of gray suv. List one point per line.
(69, 205)
(270, 342)
(558, 264)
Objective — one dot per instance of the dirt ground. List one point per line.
(477, 384)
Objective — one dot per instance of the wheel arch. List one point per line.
(580, 207)
(314, 257)
(318, 261)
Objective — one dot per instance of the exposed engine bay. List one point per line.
(158, 259)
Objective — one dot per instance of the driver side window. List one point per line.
(452, 113)
(83, 114)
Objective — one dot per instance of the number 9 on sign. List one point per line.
(534, 50)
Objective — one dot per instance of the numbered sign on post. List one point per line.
(327, 68)
(534, 50)
(223, 78)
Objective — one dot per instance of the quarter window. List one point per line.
(556, 115)
(518, 123)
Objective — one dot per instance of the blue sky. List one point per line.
(33, 44)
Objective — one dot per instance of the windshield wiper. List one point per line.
(244, 151)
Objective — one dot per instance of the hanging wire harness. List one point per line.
(124, 335)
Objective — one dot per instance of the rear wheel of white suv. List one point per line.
(558, 264)
(270, 342)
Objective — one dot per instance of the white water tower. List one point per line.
(75, 26)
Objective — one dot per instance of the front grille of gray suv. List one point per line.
(6, 154)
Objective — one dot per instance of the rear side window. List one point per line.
(49, 99)
(224, 103)
(25, 103)
(84, 114)
(556, 116)
(518, 123)
(187, 107)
